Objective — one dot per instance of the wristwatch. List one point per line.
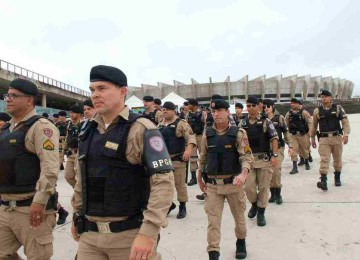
(275, 155)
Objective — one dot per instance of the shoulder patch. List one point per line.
(48, 145)
(48, 132)
(247, 149)
(156, 143)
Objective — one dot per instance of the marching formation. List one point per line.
(124, 166)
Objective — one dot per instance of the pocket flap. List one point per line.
(45, 239)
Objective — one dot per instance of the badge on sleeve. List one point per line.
(156, 143)
(48, 132)
(48, 145)
(247, 149)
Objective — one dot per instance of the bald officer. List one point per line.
(180, 140)
(263, 141)
(150, 110)
(126, 185)
(29, 165)
(332, 135)
(227, 158)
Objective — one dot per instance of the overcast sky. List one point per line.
(161, 41)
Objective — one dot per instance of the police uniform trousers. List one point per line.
(179, 177)
(214, 205)
(15, 231)
(113, 246)
(61, 152)
(276, 171)
(70, 169)
(194, 154)
(301, 144)
(258, 182)
(330, 146)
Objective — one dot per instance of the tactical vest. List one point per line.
(236, 119)
(276, 122)
(209, 119)
(329, 121)
(19, 168)
(111, 185)
(194, 120)
(73, 132)
(222, 157)
(297, 123)
(258, 140)
(61, 126)
(174, 144)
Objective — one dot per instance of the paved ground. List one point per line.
(311, 224)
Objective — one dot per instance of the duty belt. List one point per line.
(329, 134)
(216, 181)
(263, 156)
(26, 203)
(298, 133)
(112, 227)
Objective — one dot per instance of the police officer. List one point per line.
(157, 104)
(238, 113)
(284, 137)
(185, 111)
(71, 146)
(4, 117)
(56, 118)
(29, 170)
(61, 126)
(115, 191)
(222, 146)
(89, 109)
(263, 141)
(150, 111)
(180, 140)
(299, 123)
(332, 135)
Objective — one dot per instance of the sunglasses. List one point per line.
(251, 105)
(268, 106)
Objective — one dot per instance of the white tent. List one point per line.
(175, 98)
(133, 102)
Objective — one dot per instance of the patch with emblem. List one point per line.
(156, 143)
(111, 145)
(12, 141)
(245, 142)
(228, 146)
(48, 132)
(247, 149)
(213, 104)
(271, 126)
(48, 145)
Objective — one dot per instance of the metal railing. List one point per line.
(41, 78)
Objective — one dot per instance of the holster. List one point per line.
(53, 201)
(79, 223)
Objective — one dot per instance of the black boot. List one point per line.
(173, 206)
(322, 183)
(302, 161)
(253, 211)
(240, 249)
(337, 178)
(201, 196)
(62, 216)
(261, 217)
(214, 255)
(278, 196)
(272, 197)
(182, 210)
(307, 165)
(310, 158)
(294, 169)
(193, 180)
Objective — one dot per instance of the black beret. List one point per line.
(186, 103)
(55, 115)
(62, 113)
(239, 105)
(25, 86)
(5, 117)
(148, 98)
(216, 96)
(325, 92)
(108, 74)
(169, 105)
(219, 103)
(269, 102)
(45, 115)
(294, 100)
(252, 100)
(193, 102)
(157, 101)
(88, 103)
(76, 109)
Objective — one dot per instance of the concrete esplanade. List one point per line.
(53, 92)
(277, 88)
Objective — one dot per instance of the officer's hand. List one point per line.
(37, 213)
(239, 180)
(142, 248)
(202, 185)
(345, 139)
(273, 161)
(74, 233)
(313, 143)
(291, 151)
(186, 155)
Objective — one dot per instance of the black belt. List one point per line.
(112, 227)
(176, 158)
(26, 203)
(216, 181)
(329, 134)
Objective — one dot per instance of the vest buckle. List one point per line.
(103, 227)
(12, 203)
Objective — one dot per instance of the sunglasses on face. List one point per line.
(251, 105)
(268, 106)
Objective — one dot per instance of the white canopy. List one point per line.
(175, 98)
(134, 101)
